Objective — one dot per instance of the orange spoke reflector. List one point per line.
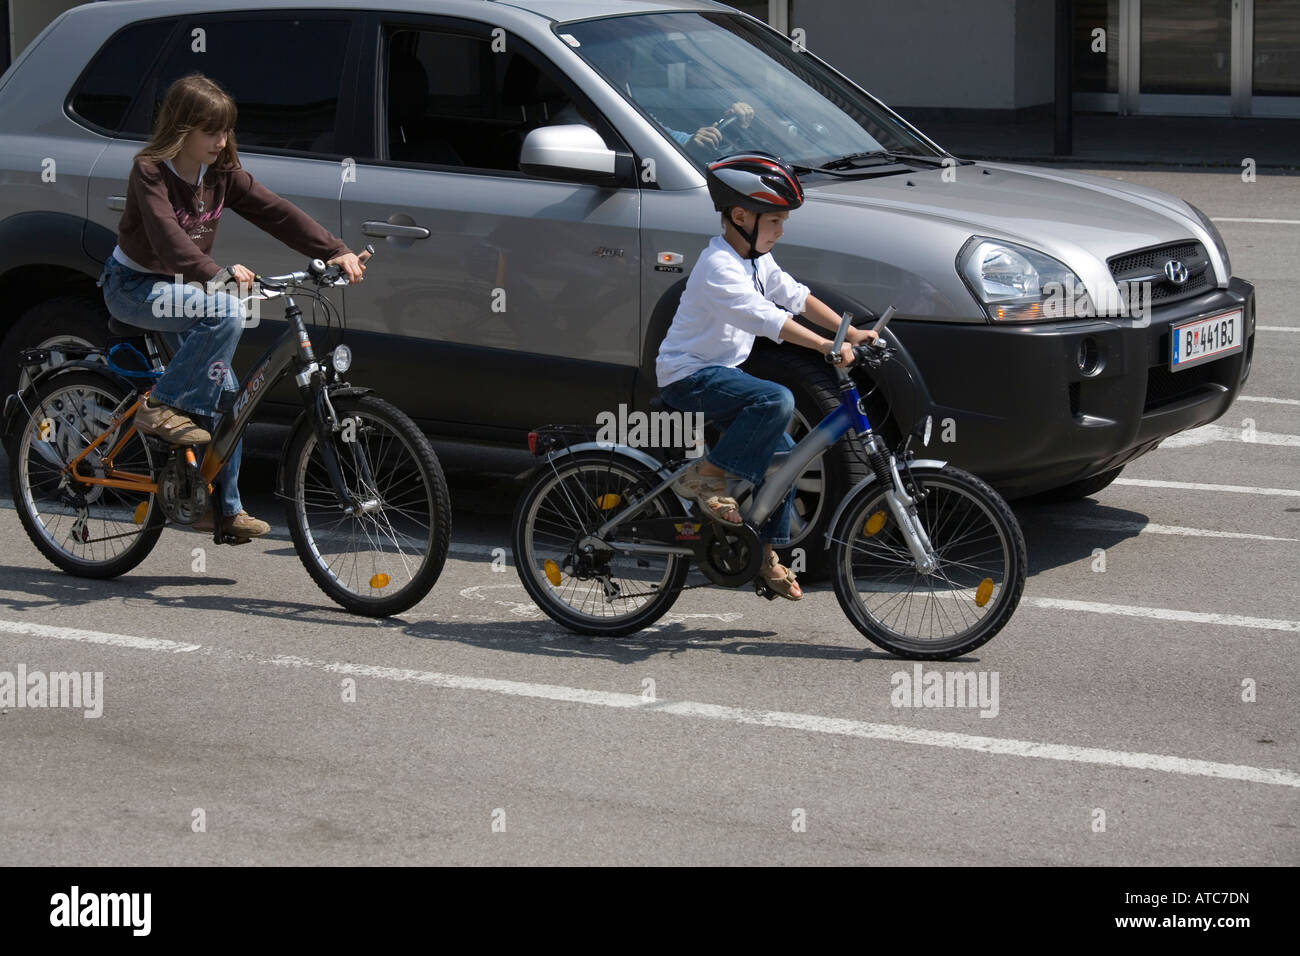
(984, 592)
(874, 524)
(552, 572)
(605, 502)
(45, 430)
(141, 510)
(379, 581)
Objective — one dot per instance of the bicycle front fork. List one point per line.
(901, 505)
(325, 423)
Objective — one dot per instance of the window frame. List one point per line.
(145, 73)
(374, 135)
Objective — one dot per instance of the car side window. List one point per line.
(104, 91)
(284, 75)
(456, 99)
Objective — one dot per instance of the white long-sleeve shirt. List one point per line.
(722, 311)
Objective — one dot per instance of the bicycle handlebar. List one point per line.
(317, 272)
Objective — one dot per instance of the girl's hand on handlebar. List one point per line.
(352, 266)
(243, 276)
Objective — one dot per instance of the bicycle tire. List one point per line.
(549, 522)
(386, 561)
(974, 592)
(74, 408)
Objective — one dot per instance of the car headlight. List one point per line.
(341, 358)
(1017, 284)
(1214, 234)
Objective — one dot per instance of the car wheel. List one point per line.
(1075, 490)
(828, 478)
(66, 320)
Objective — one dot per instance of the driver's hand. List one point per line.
(243, 277)
(352, 266)
(743, 112)
(709, 137)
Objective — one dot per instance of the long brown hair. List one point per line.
(192, 102)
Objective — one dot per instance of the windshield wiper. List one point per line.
(854, 162)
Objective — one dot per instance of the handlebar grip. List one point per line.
(846, 319)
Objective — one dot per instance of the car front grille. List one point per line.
(1148, 265)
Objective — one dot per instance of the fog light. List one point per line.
(1088, 357)
(341, 358)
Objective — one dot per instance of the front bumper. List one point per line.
(1025, 416)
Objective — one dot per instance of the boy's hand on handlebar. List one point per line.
(861, 336)
(352, 267)
(846, 356)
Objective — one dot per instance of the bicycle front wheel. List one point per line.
(587, 587)
(962, 603)
(92, 531)
(385, 560)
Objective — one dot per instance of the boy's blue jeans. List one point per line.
(200, 368)
(754, 413)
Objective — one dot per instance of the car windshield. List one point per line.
(719, 83)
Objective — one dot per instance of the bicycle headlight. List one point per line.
(1017, 284)
(341, 358)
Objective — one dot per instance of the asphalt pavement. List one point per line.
(1141, 706)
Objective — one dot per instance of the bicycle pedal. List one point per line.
(762, 590)
(232, 539)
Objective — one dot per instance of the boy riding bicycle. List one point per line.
(736, 292)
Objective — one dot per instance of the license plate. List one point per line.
(1205, 340)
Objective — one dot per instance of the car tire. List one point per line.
(64, 320)
(1076, 490)
(826, 482)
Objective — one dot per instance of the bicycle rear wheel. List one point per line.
(92, 531)
(965, 601)
(601, 591)
(386, 560)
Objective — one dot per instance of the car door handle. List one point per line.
(385, 230)
(117, 203)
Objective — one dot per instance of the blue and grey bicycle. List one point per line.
(928, 560)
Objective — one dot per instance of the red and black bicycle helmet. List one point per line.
(759, 182)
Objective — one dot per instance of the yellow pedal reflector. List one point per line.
(141, 510)
(552, 572)
(45, 430)
(874, 524)
(379, 581)
(605, 502)
(984, 592)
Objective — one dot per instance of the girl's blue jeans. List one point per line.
(207, 328)
(754, 413)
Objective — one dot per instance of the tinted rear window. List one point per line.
(104, 92)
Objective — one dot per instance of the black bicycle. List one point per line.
(365, 498)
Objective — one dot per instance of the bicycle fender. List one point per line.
(626, 450)
(862, 486)
(17, 403)
(341, 391)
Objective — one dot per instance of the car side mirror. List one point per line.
(573, 151)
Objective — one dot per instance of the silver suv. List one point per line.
(531, 174)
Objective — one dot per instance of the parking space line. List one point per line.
(1200, 486)
(1111, 524)
(1277, 328)
(808, 723)
(1206, 434)
(1163, 614)
(1271, 401)
(1280, 222)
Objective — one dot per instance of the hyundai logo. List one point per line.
(1176, 272)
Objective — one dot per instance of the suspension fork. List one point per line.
(901, 505)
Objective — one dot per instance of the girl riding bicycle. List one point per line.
(180, 183)
(735, 293)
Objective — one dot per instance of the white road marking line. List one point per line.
(1206, 434)
(1110, 524)
(1198, 486)
(28, 629)
(1282, 222)
(1277, 328)
(1271, 401)
(1163, 614)
(809, 723)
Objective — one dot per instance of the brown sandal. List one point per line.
(782, 583)
(710, 493)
